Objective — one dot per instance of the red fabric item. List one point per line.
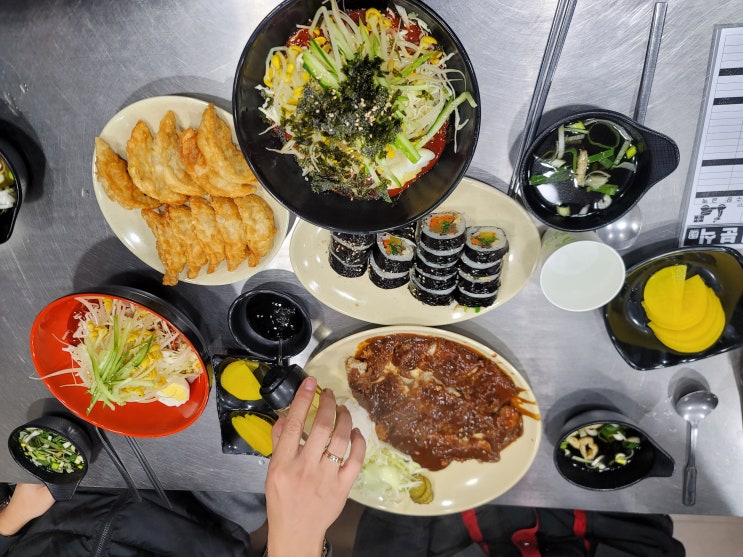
(473, 529)
(580, 524)
(526, 540)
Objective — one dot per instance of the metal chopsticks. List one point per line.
(651, 59)
(149, 470)
(114, 456)
(552, 51)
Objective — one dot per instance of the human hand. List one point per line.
(28, 502)
(306, 490)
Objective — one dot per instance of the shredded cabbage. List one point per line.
(388, 474)
(124, 353)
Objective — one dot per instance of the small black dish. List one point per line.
(720, 267)
(11, 157)
(657, 157)
(265, 322)
(229, 405)
(62, 486)
(649, 461)
(280, 174)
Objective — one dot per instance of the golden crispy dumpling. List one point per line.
(207, 233)
(170, 250)
(215, 142)
(111, 171)
(167, 159)
(198, 168)
(231, 228)
(141, 167)
(181, 225)
(257, 218)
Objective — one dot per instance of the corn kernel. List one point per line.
(428, 39)
(108, 304)
(321, 41)
(372, 12)
(386, 23)
(295, 48)
(276, 61)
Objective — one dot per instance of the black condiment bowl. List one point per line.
(18, 168)
(282, 176)
(650, 459)
(657, 157)
(251, 329)
(61, 485)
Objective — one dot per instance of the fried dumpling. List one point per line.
(141, 167)
(112, 174)
(207, 233)
(167, 161)
(170, 250)
(214, 139)
(204, 175)
(257, 218)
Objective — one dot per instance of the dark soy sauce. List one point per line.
(273, 318)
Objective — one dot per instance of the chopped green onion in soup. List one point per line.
(50, 450)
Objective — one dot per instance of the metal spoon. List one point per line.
(622, 233)
(693, 407)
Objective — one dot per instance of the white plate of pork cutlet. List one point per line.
(463, 414)
(176, 190)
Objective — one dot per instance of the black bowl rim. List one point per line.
(584, 224)
(391, 218)
(678, 358)
(20, 174)
(268, 348)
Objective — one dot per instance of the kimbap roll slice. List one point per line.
(471, 300)
(428, 296)
(434, 282)
(435, 269)
(354, 241)
(407, 231)
(348, 255)
(387, 279)
(393, 254)
(344, 269)
(442, 231)
(485, 244)
(440, 257)
(478, 285)
(480, 269)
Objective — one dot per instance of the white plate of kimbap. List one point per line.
(471, 255)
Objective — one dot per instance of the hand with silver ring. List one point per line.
(308, 483)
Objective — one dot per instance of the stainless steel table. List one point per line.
(67, 67)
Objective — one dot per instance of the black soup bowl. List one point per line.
(281, 175)
(645, 460)
(550, 191)
(61, 484)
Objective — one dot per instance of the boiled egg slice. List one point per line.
(175, 393)
(400, 165)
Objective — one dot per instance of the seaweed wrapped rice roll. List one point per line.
(391, 260)
(474, 300)
(430, 296)
(485, 244)
(442, 231)
(349, 253)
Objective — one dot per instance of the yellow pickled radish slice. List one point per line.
(256, 431)
(239, 380)
(664, 295)
(698, 337)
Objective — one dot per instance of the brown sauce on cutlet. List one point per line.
(435, 399)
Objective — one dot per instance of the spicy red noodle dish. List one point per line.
(362, 99)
